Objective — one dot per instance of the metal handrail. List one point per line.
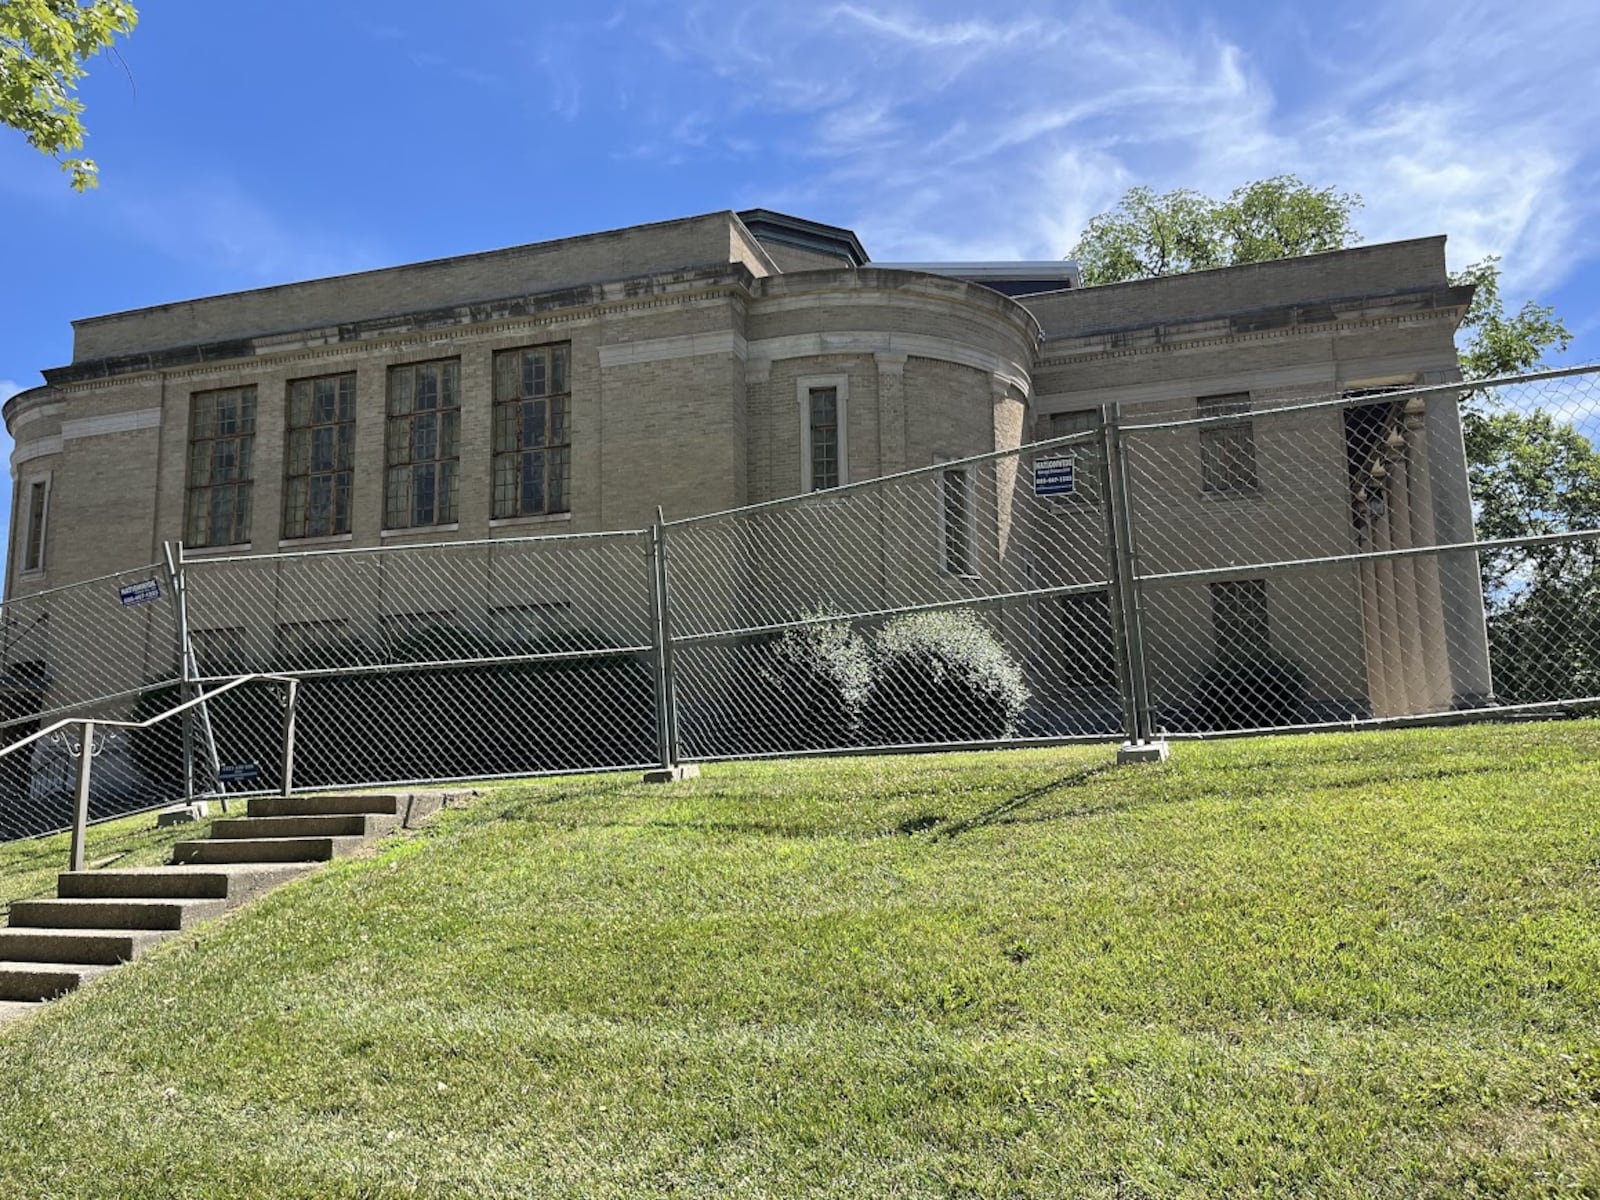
(86, 749)
(233, 682)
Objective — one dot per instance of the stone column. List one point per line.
(1461, 587)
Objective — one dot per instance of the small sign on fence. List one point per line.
(139, 593)
(1054, 476)
(238, 772)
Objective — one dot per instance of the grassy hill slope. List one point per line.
(1339, 965)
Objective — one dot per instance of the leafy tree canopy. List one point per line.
(1148, 235)
(43, 46)
(1498, 344)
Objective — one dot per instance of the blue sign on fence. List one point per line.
(238, 773)
(139, 593)
(1053, 476)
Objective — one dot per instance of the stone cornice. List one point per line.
(487, 319)
(1195, 335)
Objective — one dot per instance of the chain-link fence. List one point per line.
(422, 663)
(1380, 555)
(91, 649)
(1229, 563)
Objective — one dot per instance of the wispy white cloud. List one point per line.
(938, 133)
(8, 389)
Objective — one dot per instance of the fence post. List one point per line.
(1141, 745)
(186, 688)
(661, 634)
(189, 673)
(291, 691)
(80, 814)
(1114, 588)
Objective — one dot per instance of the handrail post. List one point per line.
(80, 816)
(291, 691)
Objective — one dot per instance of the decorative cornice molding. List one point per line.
(1176, 344)
(299, 351)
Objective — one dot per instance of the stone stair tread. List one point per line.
(18, 1008)
(106, 947)
(265, 850)
(315, 825)
(44, 981)
(317, 804)
(120, 912)
(13, 932)
(198, 881)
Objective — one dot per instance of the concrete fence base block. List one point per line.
(1142, 752)
(183, 814)
(672, 774)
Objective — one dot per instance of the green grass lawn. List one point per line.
(1350, 965)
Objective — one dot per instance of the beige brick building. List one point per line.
(724, 360)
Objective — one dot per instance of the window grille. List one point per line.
(532, 431)
(1228, 449)
(422, 450)
(319, 456)
(222, 435)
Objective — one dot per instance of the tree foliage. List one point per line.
(1147, 235)
(1498, 344)
(43, 47)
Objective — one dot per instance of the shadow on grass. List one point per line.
(1005, 812)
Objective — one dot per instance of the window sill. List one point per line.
(531, 519)
(327, 539)
(420, 530)
(217, 551)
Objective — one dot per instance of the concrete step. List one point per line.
(11, 1009)
(265, 850)
(113, 914)
(104, 947)
(44, 981)
(325, 805)
(338, 825)
(232, 882)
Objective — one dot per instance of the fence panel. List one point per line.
(967, 602)
(446, 661)
(96, 648)
(1375, 556)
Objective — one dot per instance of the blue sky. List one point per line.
(249, 143)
